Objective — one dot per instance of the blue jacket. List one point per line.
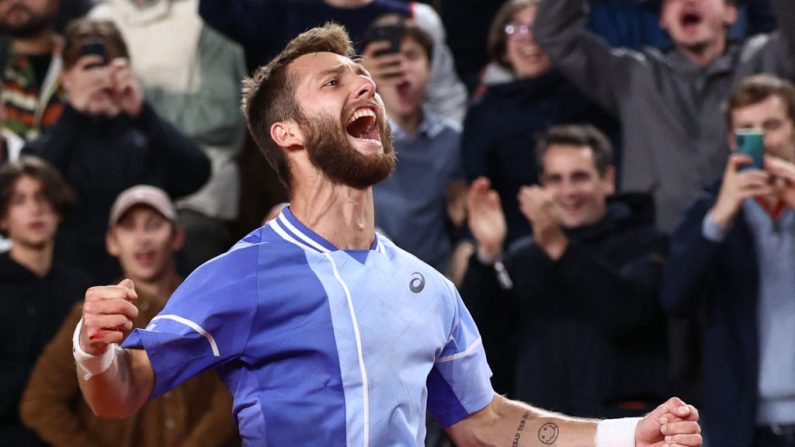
(722, 280)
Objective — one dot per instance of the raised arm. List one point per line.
(115, 382)
(506, 422)
(589, 62)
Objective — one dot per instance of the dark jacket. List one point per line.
(585, 334)
(101, 157)
(31, 311)
(501, 129)
(721, 279)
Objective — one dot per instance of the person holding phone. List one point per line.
(733, 254)
(415, 206)
(109, 139)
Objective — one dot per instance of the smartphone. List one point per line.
(391, 33)
(752, 143)
(94, 47)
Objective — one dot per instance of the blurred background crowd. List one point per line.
(587, 172)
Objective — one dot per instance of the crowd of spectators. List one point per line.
(567, 163)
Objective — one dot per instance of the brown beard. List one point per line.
(35, 25)
(330, 151)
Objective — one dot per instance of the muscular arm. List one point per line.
(511, 423)
(506, 422)
(122, 388)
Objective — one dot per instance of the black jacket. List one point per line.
(101, 157)
(584, 335)
(31, 311)
(720, 279)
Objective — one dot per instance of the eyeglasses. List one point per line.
(524, 29)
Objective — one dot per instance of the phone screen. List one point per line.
(390, 33)
(94, 47)
(751, 142)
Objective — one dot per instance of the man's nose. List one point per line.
(365, 89)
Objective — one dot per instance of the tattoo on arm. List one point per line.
(548, 433)
(520, 429)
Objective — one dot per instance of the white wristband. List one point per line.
(91, 365)
(616, 432)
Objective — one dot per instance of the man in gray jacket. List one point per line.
(668, 103)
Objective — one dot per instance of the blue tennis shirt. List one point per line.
(321, 346)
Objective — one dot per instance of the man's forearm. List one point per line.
(511, 423)
(123, 388)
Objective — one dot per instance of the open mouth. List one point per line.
(690, 19)
(37, 225)
(363, 124)
(145, 257)
(404, 90)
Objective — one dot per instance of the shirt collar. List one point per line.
(431, 126)
(292, 230)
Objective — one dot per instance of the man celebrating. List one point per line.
(327, 333)
(583, 289)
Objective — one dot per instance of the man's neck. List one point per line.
(703, 55)
(42, 43)
(159, 288)
(36, 259)
(410, 122)
(342, 215)
(347, 4)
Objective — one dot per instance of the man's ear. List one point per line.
(110, 244)
(731, 15)
(287, 134)
(178, 239)
(610, 180)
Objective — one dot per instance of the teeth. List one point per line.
(362, 113)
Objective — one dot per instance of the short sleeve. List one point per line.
(205, 323)
(459, 383)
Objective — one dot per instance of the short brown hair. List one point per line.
(757, 88)
(497, 41)
(55, 189)
(577, 135)
(78, 31)
(269, 95)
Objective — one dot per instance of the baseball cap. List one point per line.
(142, 195)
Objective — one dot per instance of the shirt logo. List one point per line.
(417, 282)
